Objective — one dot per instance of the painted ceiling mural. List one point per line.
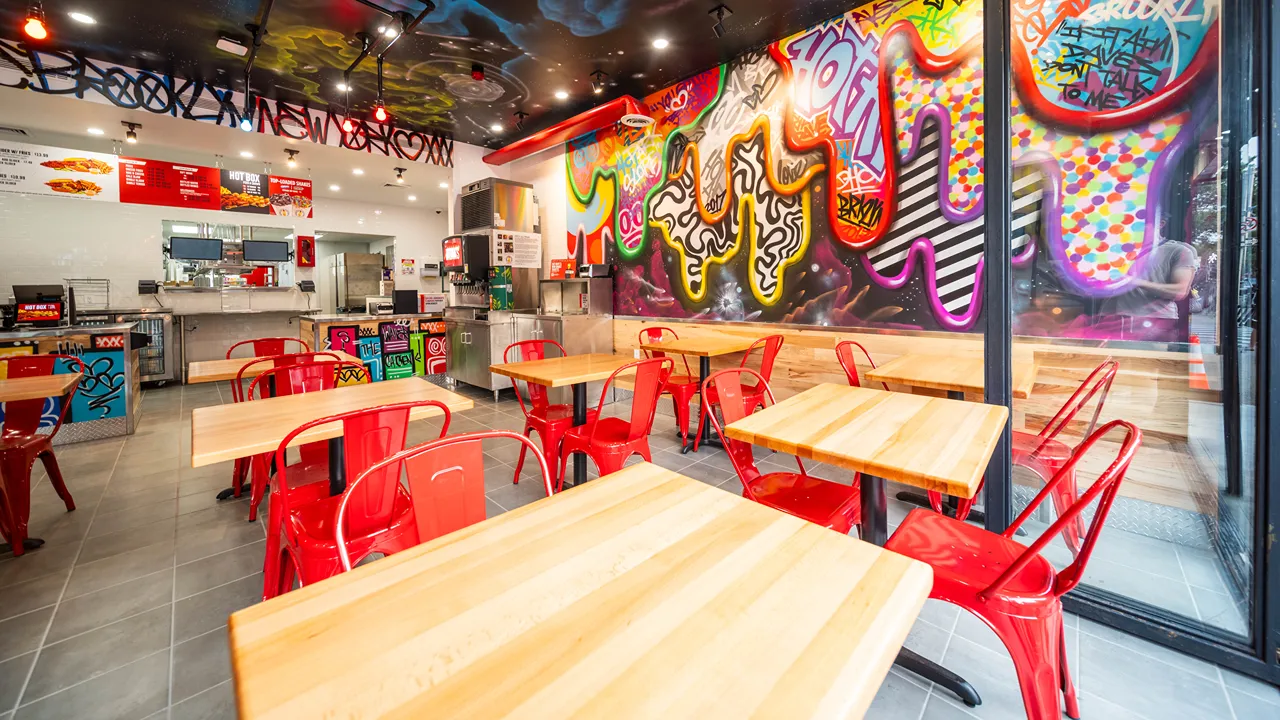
(836, 176)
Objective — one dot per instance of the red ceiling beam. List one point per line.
(597, 117)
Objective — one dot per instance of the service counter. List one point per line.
(109, 398)
(391, 346)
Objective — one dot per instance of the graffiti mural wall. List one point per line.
(836, 176)
(389, 349)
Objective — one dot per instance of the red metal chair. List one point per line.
(550, 421)
(826, 503)
(1045, 455)
(445, 489)
(752, 394)
(1012, 587)
(269, 346)
(609, 441)
(844, 353)
(21, 444)
(313, 469)
(241, 467)
(682, 388)
(302, 546)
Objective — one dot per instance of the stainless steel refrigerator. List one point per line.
(354, 277)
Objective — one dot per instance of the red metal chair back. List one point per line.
(527, 350)
(844, 353)
(297, 379)
(22, 417)
(651, 377)
(770, 346)
(369, 436)
(445, 481)
(1103, 489)
(1098, 383)
(729, 399)
(288, 359)
(268, 346)
(657, 334)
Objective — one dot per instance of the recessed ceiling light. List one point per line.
(562, 95)
(619, 52)
(82, 18)
(357, 171)
(661, 43)
(334, 188)
(412, 198)
(444, 185)
(342, 87)
(97, 131)
(495, 127)
(246, 154)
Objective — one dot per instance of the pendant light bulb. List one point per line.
(34, 26)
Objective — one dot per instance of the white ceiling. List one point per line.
(64, 122)
(339, 237)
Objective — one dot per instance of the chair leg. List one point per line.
(523, 449)
(1035, 645)
(702, 419)
(55, 478)
(564, 466)
(288, 573)
(15, 473)
(258, 473)
(1068, 688)
(682, 418)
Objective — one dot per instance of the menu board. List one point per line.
(244, 192)
(155, 182)
(58, 172)
(290, 197)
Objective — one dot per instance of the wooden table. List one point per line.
(37, 387)
(704, 348)
(34, 388)
(644, 594)
(931, 443)
(237, 430)
(573, 370)
(956, 375)
(218, 370)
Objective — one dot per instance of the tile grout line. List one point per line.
(78, 684)
(173, 587)
(1222, 683)
(65, 583)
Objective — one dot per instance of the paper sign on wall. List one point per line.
(58, 172)
(563, 268)
(408, 266)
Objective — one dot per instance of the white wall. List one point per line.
(47, 239)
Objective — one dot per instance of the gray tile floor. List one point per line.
(122, 614)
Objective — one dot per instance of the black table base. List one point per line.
(579, 418)
(704, 371)
(227, 493)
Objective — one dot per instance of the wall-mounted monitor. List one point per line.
(189, 248)
(266, 251)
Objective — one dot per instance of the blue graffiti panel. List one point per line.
(102, 389)
(371, 355)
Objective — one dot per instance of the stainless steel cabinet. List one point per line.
(474, 345)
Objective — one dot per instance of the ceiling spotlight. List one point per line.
(382, 29)
(246, 154)
(97, 131)
(293, 158)
(342, 87)
(661, 43)
(334, 188)
(719, 11)
(390, 31)
(34, 26)
(131, 135)
(444, 186)
(231, 45)
(400, 175)
(495, 128)
(82, 18)
(520, 116)
(597, 81)
(357, 171)
(412, 198)
(562, 95)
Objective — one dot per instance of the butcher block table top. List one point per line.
(229, 431)
(643, 594)
(37, 387)
(706, 346)
(954, 374)
(931, 443)
(220, 370)
(563, 371)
